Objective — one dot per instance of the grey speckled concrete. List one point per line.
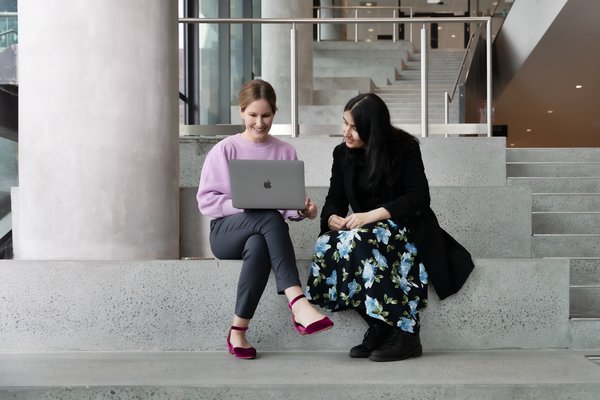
(585, 301)
(566, 202)
(463, 211)
(448, 161)
(554, 169)
(566, 222)
(493, 375)
(584, 334)
(565, 245)
(586, 154)
(188, 305)
(586, 267)
(559, 184)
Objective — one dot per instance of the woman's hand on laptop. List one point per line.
(310, 209)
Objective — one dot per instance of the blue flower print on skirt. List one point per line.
(375, 269)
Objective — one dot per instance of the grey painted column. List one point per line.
(334, 31)
(98, 118)
(275, 51)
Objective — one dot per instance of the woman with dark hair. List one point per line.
(258, 237)
(379, 259)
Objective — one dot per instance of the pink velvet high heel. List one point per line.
(321, 325)
(240, 352)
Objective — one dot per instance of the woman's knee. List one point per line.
(256, 247)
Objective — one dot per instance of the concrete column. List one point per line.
(98, 119)
(334, 31)
(275, 52)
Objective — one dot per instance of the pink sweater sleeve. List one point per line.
(214, 190)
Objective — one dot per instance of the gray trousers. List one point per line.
(262, 240)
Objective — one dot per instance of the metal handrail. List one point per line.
(448, 98)
(7, 32)
(356, 8)
(424, 20)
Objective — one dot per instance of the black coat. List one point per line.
(407, 199)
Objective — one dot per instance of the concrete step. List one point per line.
(566, 245)
(363, 85)
(448, 161)
(566, 202)
(585, 270)
(558, 184)
(585, 154)
(463, 211)
(585, 288)
(584, 333)
(173, 305)
(490, 375)
(566, 222)
(359, 46)
(585, 300)
(557, 169)
(380, 75)
(368, 62)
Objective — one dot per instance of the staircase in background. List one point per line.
(403, 95)
(565, 217)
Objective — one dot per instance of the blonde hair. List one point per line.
(257, 89)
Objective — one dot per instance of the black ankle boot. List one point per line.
(375, 336)
(399, 346)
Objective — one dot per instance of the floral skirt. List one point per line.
(375, 269)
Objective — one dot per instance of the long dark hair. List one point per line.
(372, 120)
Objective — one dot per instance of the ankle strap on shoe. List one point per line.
(239, 328)
(295, 300)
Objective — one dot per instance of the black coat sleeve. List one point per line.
(409, 197)
(336, 201)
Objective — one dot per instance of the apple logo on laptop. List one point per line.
(267, 184)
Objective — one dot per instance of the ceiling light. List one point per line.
(439, 28)
(578, 86)
(371, 30)
(550, 111)
(528, 130)
(453, 36)
(368, 4)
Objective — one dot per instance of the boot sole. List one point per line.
(418, 352)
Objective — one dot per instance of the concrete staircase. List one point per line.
(403, 96)
(392, 70)
(566, 220)
(156, 328)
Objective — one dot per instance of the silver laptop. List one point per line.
(267, 184)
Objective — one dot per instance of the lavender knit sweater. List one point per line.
(214, 191)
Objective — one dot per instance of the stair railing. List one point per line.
(462, 74)
(424, 80)
(367, 8)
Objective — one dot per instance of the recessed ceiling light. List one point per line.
(453, 36)
(371, 30)
(550, 111)
(368, 4)
(439, 28)
(512, 144)
(578, 86)
(528, 130)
